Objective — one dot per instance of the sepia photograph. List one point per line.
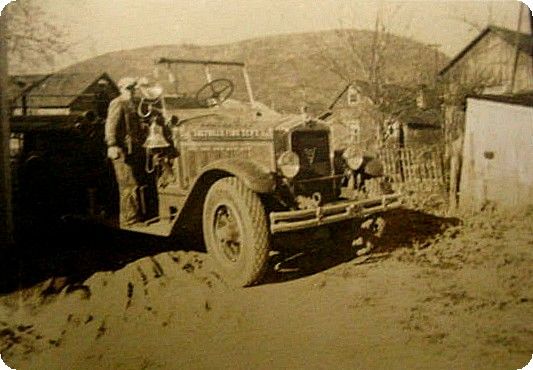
(266, 184)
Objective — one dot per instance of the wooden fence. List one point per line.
(454, 122)
(419, 168)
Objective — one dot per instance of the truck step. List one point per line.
(159, 228)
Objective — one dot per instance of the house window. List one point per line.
(355, 131)
(353, 95)
(422, 99)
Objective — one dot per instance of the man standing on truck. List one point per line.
(124, 149)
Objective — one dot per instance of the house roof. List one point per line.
(60, 90)
(524, 98)
(18, 84)
(423, 119)
(523, 40)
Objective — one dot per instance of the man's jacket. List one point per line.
(122, 127)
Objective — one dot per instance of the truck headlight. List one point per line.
(353, 158)
(289, 164)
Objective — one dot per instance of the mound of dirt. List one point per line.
(452, 295)
(51, 313)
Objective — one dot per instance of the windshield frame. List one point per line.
(207, 63)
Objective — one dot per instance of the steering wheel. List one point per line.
(214, 92)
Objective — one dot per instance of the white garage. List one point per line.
(498, 153)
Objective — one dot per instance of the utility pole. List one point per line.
(531, 33)
(517, 48)
(436, 63)
(6, 205)
(374, 78)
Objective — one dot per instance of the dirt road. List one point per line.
(437, 295)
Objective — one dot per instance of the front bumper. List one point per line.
(331, 213)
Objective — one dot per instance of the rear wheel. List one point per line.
(235, 231)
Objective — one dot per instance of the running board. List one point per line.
(159, 228)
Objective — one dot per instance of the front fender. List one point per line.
(254, 175)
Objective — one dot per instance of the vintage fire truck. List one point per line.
(236, 171)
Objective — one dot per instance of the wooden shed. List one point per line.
(498, 152)
(498, 59)
(66, 93)
(21, 84)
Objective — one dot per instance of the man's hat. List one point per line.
(149, 91)
(126, 83)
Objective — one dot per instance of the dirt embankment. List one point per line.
(432, 295)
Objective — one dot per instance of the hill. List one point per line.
(287, 71)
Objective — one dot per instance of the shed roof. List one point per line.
(523, 40)
(61, 89)
(423, 119)
(525, 98)
(17, 84)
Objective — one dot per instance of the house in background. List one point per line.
(64, 94)
(406, 117)
(488, 62)
(355, 118)
(498, 62)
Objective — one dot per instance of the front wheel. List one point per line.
(235, 231)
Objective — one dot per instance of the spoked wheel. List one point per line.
(214, 92)
(235, 232)
(227, 230)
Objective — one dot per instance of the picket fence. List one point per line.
(419, 168)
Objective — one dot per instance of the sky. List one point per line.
(100, 26)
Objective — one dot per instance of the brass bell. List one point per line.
(155, 139)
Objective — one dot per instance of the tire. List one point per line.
(235, 232)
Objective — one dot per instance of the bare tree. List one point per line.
(363, 59)
(32, 38)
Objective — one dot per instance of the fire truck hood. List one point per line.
(234, 114)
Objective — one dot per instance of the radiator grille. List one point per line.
(313, 149)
